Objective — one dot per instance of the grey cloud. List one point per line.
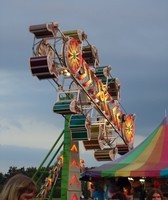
(20, 157)
(131, 35)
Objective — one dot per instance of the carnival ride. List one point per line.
(88, 97)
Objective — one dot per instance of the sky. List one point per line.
(130, 35)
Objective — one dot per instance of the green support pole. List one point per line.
(41, 165)
(66, 153)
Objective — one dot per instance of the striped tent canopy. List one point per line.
(148, 159)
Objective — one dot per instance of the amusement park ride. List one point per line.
(87, 97)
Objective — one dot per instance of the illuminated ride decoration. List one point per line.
(88, 98)
(128, 128)
(72, 55)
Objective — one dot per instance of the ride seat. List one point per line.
(102, 72)
(78, 35)
(79, 128)
(90, 55)
(122, 148)
(105, 154)
(39, 67)
(114, 88)
(44, 30)
(93, 143)
(66, 107)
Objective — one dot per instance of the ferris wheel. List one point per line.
(88, 96)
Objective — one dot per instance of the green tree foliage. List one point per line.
(30, 171)
(14, 170)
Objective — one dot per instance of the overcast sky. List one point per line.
(131, 36)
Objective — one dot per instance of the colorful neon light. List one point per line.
(74, 148)
(74, 197)
(75, 164)
(128, 128)
(73, 56)
(97, 90)
(74, 180)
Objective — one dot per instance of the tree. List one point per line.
(14, 170)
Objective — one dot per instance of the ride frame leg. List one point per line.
(70, 184)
